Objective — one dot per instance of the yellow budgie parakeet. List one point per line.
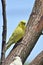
(17, 34)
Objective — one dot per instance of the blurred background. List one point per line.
(16, 11)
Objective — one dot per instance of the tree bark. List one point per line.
(32, 34)
(4, 32)
(38, 60)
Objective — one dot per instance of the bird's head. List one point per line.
(23, 22)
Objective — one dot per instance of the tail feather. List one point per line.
(8, 45)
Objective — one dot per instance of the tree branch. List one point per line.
(33, 32)
(4, 32)
(38, 60)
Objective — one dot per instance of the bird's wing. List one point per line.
(16, 33)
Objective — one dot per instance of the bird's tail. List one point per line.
(8, 44)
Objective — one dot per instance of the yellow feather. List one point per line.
(17, 34)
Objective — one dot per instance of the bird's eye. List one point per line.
(24, 23)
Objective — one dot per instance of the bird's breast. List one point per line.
(20, 33)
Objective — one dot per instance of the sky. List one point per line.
(17, 10)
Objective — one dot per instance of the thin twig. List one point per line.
(4, 32)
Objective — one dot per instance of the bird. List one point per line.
(17, 61)
(17, 34)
